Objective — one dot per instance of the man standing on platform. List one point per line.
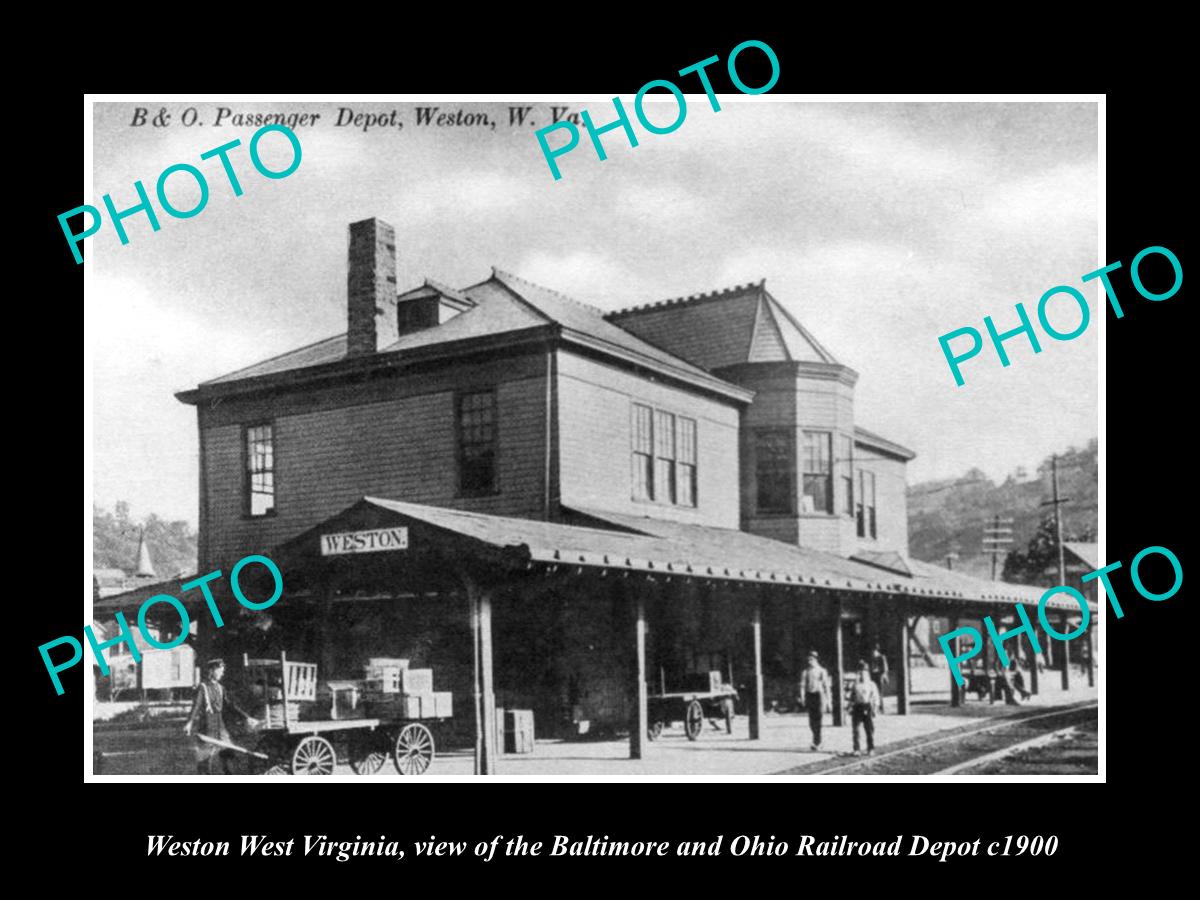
(879, 673)
(864, 700)
(814, 690)
(208, 710)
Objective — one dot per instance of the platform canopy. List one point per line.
(379, 546)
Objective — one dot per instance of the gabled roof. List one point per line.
(724, 328)
(879, 442)
(501, 304)
(325, 351)
(1088, 553)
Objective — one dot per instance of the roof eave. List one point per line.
(695, 379)
(882, 444)
(348, 366)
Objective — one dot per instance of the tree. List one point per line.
(1034, 564)
(115, 542)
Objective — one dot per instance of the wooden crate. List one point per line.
(273, 718)
(379, 661)
(295, 680)
(383, 679)
(416, 681)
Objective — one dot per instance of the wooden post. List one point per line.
(756, 702)
(904, 684)
(838, 662)
(989, 671)
(324, 611)
(1066, 655)
(639, 728)
(1033, 665)
(1091, 654)
(485, 698)
(956, 692)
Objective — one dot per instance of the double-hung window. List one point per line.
(260, 470)
(818, 472)
(845, 465)
(663, 456)
(643, 452)
(867, 524)
(775, 469)
(477, 443)
(685, 471)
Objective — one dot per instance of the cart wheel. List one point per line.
(654, 732)
(414, 750)
(728, 704)
(367, 756)
(693, 720)
(313, 756)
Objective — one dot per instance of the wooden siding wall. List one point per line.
(891, 501)
(594, 402)
(388, 437)
(784, 400)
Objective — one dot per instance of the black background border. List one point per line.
(103, 827)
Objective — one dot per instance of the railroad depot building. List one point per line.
(577, 507)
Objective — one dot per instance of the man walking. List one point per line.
(864, 700)
(208, 709)
(814, 690)
(879, 673)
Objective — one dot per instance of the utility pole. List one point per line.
(1057, 503)
(997, 538)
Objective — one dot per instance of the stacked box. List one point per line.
(416, 706)
(416, 681)
(380, 661)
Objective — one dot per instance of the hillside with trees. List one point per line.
(115, 542)
(949, 516)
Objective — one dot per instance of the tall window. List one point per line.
(663, 456)
(477, 443)
(775, 468)
(845, 465)
(260, 470)
(866, 504)
(643, 452)
(685, 446)
(818, 472)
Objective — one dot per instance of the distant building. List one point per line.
(160, 672)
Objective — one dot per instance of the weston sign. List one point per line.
(372, 541)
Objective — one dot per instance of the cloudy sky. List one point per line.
(879, 226)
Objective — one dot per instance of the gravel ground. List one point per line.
(1071, 753)
(929, 755)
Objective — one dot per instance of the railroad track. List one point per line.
(948, 753)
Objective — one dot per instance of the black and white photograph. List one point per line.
(734, 453)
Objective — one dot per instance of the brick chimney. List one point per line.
(371, 288)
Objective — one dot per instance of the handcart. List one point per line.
(692, 707)
(288, 743)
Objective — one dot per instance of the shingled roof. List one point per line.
(506, 303)
(724, 328)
